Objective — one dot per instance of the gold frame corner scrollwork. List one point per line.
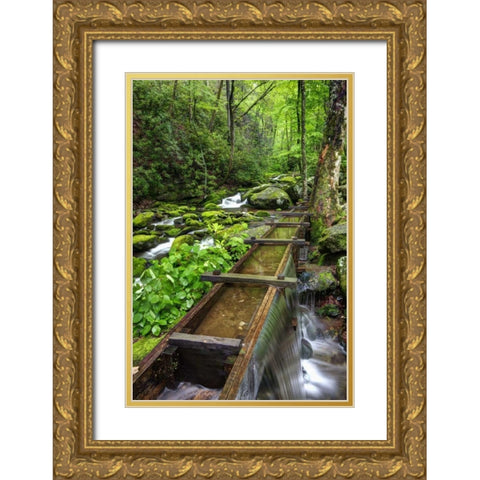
(77, 24)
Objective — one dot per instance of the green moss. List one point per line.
(145, 242)
(138, 266)
(143, 219)
(143, 347)
(262, 213)
(212, 206)
(329, 310)
(180, 240)
(191, 222)
(342, 273)
(173, 232)
(270, 197)
(288, 179)
(334, 239)
(211, 214)
(192, 216)
(184, 209)
(326, 282)
(317, 230)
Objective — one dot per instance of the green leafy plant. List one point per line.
(169, 288)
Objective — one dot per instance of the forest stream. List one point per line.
(245, 179)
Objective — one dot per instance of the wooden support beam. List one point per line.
(288, 224)
(278, 281)
(295, 214)
(230, 346)
(276, 241)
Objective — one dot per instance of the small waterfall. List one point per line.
(296, 364)
(207, 242)
(189, 391)
(277, 354)
(233, 202)
(159, 250)
(167, 221)
(323, 359)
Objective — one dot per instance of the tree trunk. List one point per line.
(230, 87)
(214, 113)
(324, 200)
(301, 85)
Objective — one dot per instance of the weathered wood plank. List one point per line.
(188, 340)
(276, 241)
(288, 224)
(278, 281)
(294, 214)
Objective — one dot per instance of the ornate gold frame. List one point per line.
(77, 24)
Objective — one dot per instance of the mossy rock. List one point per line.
(261, 213)
(161, 228)
(191, 222)
(188, 229)
(271, 197)
(212, 206)
(184, 209)
(181, 240)
(190, 216)
(288, 179)
(326, 282)
(317, 229)
(143, 219)
(342, 273)
(329, 310)
(212, 214)
(294, 190)
(144, 231)
(334, 239)
(173, 232)
(146, 242)
(139, 265)
(143, 347)
(246, 195)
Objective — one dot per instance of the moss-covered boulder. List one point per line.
(270, 198)
(146, 242)
(289, 179)
(190, 216)
(294, 190)
(262, 213)
(182, 240)
(326, 282)
(212, 206)
(143, 219)
(246, 195)
(212, 214)
(191, 222)
(139, 265)
(334, 239)
(342, 273)
(173, 232)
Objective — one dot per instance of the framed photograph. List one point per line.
(197, 71)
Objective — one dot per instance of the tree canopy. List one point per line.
(192, 136)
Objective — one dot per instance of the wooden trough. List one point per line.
(190, 352)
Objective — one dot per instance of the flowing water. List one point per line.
(288, 363)
(234, 201)
(158, 251)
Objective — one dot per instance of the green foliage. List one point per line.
(143, 219)
(138, 266)
(317, 230)
(169, 288)
(329, 310)
(181, 138)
